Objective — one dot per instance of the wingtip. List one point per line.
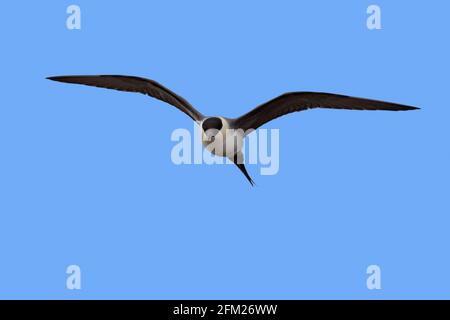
(406, 108)
(59, 78)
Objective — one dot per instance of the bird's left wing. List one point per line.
(299, 101)
(135, 84)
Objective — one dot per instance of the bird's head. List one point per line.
(211, 127)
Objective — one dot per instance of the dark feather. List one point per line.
(134, 84)
(239, 162)
(299, 101)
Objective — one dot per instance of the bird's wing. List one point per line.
(299, 101)
(134, 84)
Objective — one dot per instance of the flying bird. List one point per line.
(224, 136)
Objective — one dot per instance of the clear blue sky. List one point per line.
(86, 176)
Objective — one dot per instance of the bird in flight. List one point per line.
(224, 136)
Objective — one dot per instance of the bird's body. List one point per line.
(225, 136)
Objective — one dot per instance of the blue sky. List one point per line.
(86, 176)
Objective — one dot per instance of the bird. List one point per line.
(224, 136)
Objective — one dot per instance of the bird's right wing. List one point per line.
(135, 84)
(299, 101)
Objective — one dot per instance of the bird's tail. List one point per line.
(238, 161)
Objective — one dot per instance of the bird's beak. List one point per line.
(210, 135)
